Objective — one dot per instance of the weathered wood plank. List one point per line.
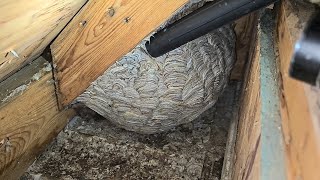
(18, 82)
(259, 149)
(248, 147)
(244, 30)
(272, 145)
(101, 33)
(299, 109)
(28, 27)
(29, 118)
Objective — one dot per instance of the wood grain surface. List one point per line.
(248, 146)
(29, 120)
(244, 30)
(300, 102)
(101, 33)
(27, 27)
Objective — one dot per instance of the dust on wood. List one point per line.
(19, 82)
(29, 119)
(27, 28)
(81, 54)
(244, 28)
(248, 147)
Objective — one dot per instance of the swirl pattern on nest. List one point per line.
(149, 95)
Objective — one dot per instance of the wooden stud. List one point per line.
(244, 29)
(26, 28)
(248, 148)
(272, 145)
(83, 53)
(259, 151)
(29, 118)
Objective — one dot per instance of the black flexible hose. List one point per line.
(305, 63)
(200, 22)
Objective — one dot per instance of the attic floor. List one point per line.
(92, 148)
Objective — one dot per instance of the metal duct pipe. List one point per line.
(200, 22)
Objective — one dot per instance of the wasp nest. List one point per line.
(149, 95)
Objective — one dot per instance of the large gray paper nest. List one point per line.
(150, 95)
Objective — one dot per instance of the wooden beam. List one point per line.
(247, 150)
(272, 145)
(26, 28)
(300, 102)
(244, 28)
(101, 33)
(259, 148)
(29, 117)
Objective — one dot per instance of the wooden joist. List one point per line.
(244, 29)
(101, 33)
(259, 151)
(29, 117)
(247, 150)
(272, 146)
(300, 110)
(27, 27)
